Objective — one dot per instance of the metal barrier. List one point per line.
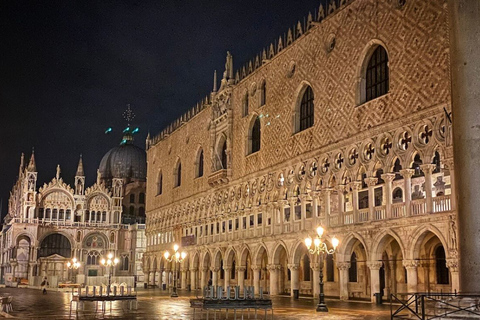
(425, 306)
(215, 299)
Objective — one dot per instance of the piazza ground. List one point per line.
(157, 304)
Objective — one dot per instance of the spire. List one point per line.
(215, 81)
(32, 167)
(20, 170)
(58, 172)
(80, 172)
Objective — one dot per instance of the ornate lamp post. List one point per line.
(108, 264)
(320, 248)
(73, 265)
(177, 257)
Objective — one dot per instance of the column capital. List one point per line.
(452, 265)
(427, 168)
(407, 173)
(304, 197)
(449, 164)
(340, 188)
(315, 266)
(227, 269)
(410, 264)
(194, 270)
(273, 267)
(355, 185)
(204, 269)
(388, 177)
(327, 190)
(256, 267)
(343, 265)
(371, 181)
(214, 269)
(374, 265)
(293, 266)
(241, 268)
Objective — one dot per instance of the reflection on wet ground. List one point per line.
(157, 304)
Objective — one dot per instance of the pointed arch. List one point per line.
(373, 74)
(199, 163)
(177, 174)
(304, 108)
(254, 135)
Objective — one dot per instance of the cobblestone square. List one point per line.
(157, 304)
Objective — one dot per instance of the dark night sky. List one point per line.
(69, 68)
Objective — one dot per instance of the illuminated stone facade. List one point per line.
(376, 170)
(46, 228)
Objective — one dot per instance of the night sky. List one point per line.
(69, 68)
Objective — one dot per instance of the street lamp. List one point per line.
(177, 257)
(320, 248)
(108, 264)
(73, 265)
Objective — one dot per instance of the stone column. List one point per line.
(241, 276)
(316, 279)
(452, 265)
(226, 278)
(294, 278)
(355, 185)
(214, 276)
(183, 284)
(343, 278)
(315, 213)
(412, 275)
(281, 206)
(371, 183)
(274, 270)
(374, 267)
(256, 278)
(388, 177)
(303, 205)
(147, 277)
(427, 170)
(327, 192)
(193, 279)
(407, 192)
(341, 202)
(203, 278)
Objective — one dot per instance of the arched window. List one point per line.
(441, 266)
(233, 272)
(93, 258)
(132, 198)
(263, 94)
(245, 105)
(306, 111)
(131, 211)
(178, 175)
(141, 198)
(376, 76)
(254, 139)
(199, 164)
(397, 195)
(330, 269)
(223, 155)
(306, 268)
(55, 244)
(159, 184)
(124, 263)
(436, 162)
(417, 162)
(352, 272)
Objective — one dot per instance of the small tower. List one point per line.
(117, 186)
(80, 179)
(30, 185)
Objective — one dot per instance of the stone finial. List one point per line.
(80, 172)
(215, 81)
(20, 169)
(32, 167)
(99, 176)
(58, 172)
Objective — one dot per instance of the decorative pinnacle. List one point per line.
(128, 114)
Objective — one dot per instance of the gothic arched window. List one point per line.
(159, 184)
(141, 198)
(306, 110)
(132, 198)
(306, 268)
(263, 94)
(245, 105)
(199, 164)
(255, 137)
(352, 272)
(223, 155)
(178, 175)
(376, 76)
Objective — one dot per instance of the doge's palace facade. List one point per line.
(343, 122)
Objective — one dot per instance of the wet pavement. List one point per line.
(157, 304)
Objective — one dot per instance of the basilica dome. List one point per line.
(126, 161)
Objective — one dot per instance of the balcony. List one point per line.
(218, 178)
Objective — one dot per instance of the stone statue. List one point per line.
(453, 233)
(417, 193)
(439, 186)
